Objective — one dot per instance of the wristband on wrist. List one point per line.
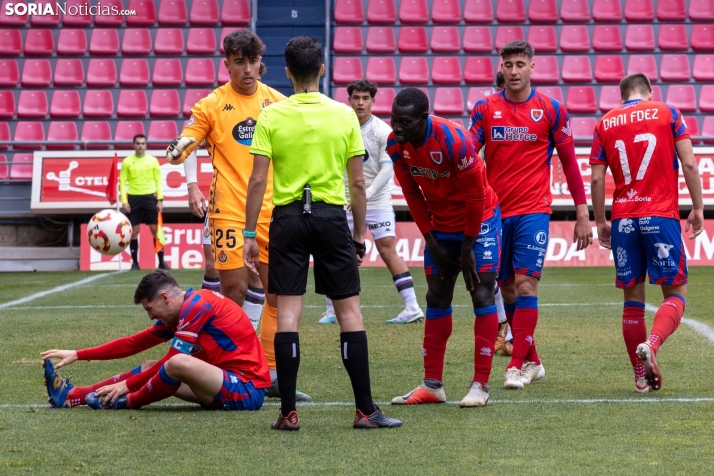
(249, 234)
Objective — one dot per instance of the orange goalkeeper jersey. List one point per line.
(226, 120)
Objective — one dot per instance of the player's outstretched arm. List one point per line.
(694, 184)
(66, 357)
(180, 148)
(597, 189)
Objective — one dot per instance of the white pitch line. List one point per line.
(699, 327)
(58, 289)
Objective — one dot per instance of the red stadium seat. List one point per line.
(340, 95)
(164, 103)
(543, 11)
(191, 97)
(110, 20)
(201, 41)
(708, 129)
(21, 168)
(145, 13)
(96, 131)
(448, 102)
(168, 72)
(382, 12)
(10, 42)
(671, 10)
(412, 39)
(236, 13)
(639, 10)
(49, 21)
(546, 69)
(413, 11)
(348, 40)
(133, 103)
(383, 101)
(607, 11)
(104, 41)
(478, 11)
(134, 72)
(609, 98)
(173, 13)
(98, 103)
(683, 96)
(479, 70)
(543, 39)
(225, 32)
(674, 37)
(575, 11)
(223, 76)
(62, 131)
(346, 70)
(607, 38)
(32, 105)
(507, 34)
(656, 93)
(609, 69)
(640, 38)
(706, 98)
(510, 11)
(13, 20)
(446, 70)
(36, 73)
(581, 100)
(703, 68)
(4, 172)
(126, 130)
(9, 73)
(75, 19)
(381, 70)
(577, 69)
(161, 133)
(701, 10)
(169, 41)
(101, 73)
(72, 42)
(477, 39)
(445, 39)
(7, 104)
(645, 64)
(703, 37)
(137, 41)
(39, 42)
(204, 13)
(200, 72)
(574, 38)
(674, 68)
(381, 39)
(553, 91)
(413, 70)
(4, 136)
(583, 129)
(692, 127)
(26, 131)
(349, 12)
(446, 11)
(475, 95)
(65, 104)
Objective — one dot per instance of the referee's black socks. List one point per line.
(134, 247)
(355, 357)
(287, 362)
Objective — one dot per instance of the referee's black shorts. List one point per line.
(143, 209)
(324, 235)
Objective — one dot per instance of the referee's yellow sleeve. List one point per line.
(123, 177)
(159, 182)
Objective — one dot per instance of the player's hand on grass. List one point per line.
(603, 235)
(175, 149)
(66, 357)
(126, 208)
(583, 234)
(196, 200)
(112, 392)
(695, 221)
(468, 267)
(251, 254)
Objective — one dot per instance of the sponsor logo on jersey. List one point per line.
(436, 157)
(485, 351)
(566, 129)
(266, 102)
(465, 163)
(621, 257)
(428, 173)
(625, 226)
(646, 228)
(632, 197)
(243, 131)
(536, 114)
(380, 225)
(541, 237)
(405, 154)
(222, 256)
(497, 114)
(487, 255)
(227, 107)
(511, 134)
(485, 228)
(631, 194)
(663, 250)
(191, 121)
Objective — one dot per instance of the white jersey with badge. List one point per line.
(374, 136)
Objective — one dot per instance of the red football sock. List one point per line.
(77, 395)
(532, 355)
(634, 331)
(666, 320)
(437, 330)
(485, 333)
(160, 386)
(524, 324)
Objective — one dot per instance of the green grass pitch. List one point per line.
(583, 418)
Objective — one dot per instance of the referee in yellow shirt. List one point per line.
(311, 140)
(144, 199)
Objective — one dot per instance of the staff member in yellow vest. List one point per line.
(144, 199)
(311, 140)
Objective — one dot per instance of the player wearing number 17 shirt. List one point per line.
(520, 127)
(640, 142)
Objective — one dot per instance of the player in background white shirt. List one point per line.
(378, 172)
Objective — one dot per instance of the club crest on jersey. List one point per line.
(191, 121)
(536, 114)
(267, 102)
(436, 157)
(222, 256)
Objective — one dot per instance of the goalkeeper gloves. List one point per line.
(176, 148)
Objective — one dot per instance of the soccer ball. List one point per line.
(109, 232)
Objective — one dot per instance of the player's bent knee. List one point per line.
(177, 365)
(438, 300)
(483, 295)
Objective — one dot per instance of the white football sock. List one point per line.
(253, 305)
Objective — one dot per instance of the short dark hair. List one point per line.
(632, 83)
(303, 57)
(518, 47)
(152, 284)
(262, 69)
(362, 85)
(244, 43)
(413, 97)
(138, 136)
(500, 80)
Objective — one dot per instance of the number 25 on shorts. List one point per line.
(226, 238)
